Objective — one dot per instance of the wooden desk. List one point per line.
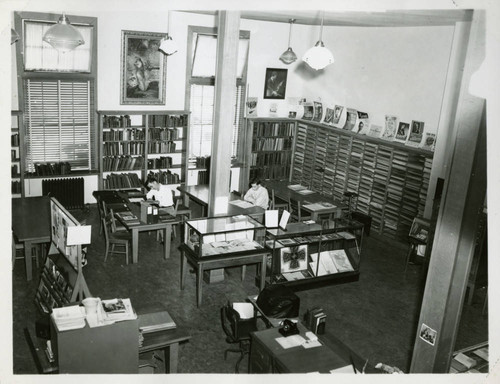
(268, 356)
(282, 191)
(166, 226)
(199, 195)
(214, 262)
(166, 341)
(31, 224)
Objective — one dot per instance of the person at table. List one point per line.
(160, 193)
(257, 194)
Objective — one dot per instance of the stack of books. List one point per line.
(117, 310)
(67, 318)
(156, 321)
(128, 217)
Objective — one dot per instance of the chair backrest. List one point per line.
(112, 221)
(234, 327)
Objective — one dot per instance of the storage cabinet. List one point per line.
(16, 141)
(136, 143)
(391, 179)
(306, 255)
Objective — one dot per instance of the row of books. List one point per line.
(14, 170)
(116, 121)
(122, 163)
(199, 162)
(275, 172)
(122, 180)
(166, 177)
(164, 133)
(273, 129)
(54, 169)
(270, 159)
(123, 148)
(14, 140)
(272, 144)
(123, 134)
(161, 147)
(16, 187)
(160, 162)
(167, 121)
(203, 177)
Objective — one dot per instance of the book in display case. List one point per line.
(135, 144)
(214, 236)
(307, 255)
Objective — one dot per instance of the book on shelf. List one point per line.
(156, 321)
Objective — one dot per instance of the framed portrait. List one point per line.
(293, 258)
(275, 83)
(143, 68)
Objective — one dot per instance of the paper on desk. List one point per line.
(290, 341)
(245, 310)
(241, 203)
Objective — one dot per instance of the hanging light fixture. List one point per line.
(14, 36)
(63, 36)
(289, 55)
(318, 57)
(167, 45)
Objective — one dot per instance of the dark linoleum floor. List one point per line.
(376, 316)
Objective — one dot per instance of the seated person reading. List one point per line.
(257, 194)
(160, 193)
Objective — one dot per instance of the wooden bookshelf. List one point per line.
(17, 168)
(134, 144)
(269, 146)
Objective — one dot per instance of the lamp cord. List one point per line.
(321, 30)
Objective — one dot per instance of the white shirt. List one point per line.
(258, 197)
(163, 196)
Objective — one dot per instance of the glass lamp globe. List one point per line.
(318, 57)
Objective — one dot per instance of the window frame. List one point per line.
(23, 75)
(190, 80)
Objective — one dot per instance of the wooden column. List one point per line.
(225, 85)
(463, 195)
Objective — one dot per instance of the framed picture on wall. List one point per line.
(143, 68)
(275, 83)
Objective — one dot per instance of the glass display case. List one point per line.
(220, 235)
(312, 253)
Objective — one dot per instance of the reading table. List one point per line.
(31, 224)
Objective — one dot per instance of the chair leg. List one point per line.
(106, 251)
(243, 272)
(126, 253)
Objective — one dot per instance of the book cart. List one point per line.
(308, 255)
(61, 281)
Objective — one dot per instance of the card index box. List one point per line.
(112, 348)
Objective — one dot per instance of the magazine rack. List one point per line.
(308, 255)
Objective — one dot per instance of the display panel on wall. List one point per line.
(143, 68)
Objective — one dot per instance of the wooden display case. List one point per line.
(309, 255)
(221, 235)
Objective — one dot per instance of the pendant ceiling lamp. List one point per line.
(318, 57)
(14, 36)
(289, 55)
(167, 45)
(63, 36)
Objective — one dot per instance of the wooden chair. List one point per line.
(105, 211)
(114, 238)
(277, 203)
(297, 214)
(17, 246)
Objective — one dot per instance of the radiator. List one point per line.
(68, 191)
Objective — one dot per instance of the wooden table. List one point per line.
(166, 226)
(221, 261)
(282, 191)
(199, 195)
(166, 341)
(268, 356)
(31, 225)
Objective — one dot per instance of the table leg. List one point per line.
(28, 261)
(183, 268)
(314, 216)
(135, 245)
(263, 272)
(173, 357)
(166, 241)
(199, 281)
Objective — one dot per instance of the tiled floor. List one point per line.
(376, 316)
